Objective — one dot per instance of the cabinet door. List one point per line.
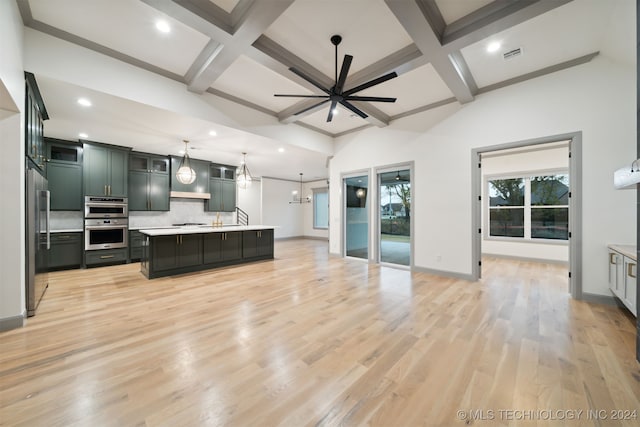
(65, 184)
(249, 244)
(228, 190)
(190, 250)
(265, 243)
(630, 284)
(138, 191)
(138, 162)
(66, 250)
(159, 165)
(158, 192)
(118, 173)
(232, 246)
(95, 170)
(164, 254)
(212, 251)
(215, 202)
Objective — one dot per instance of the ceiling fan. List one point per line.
(336, 94)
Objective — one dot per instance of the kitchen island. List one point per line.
(178, 250)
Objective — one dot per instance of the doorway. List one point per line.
(356, 209)
(394, 224)
(535, 215)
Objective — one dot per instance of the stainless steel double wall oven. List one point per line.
(106, 224)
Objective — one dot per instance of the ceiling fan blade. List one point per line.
(300, 96)
(309, 79)
(311, 107)
(369, 98)
(346, 64)
(354, 109)
(333, 105)
(371, 83)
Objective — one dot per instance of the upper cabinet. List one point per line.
(148, 182)
(200, 185)
(105, 170)
(222, 186)
(64, 173)
(35, 114)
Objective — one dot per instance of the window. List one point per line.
(320, 208)
(533, 207)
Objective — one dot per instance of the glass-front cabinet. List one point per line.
(35, 114)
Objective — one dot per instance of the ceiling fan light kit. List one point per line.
(336, 94)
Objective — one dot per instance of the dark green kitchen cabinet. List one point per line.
(148, 182)
(135, 245)
(64, 173)
(200, 185)
(66, 251)
(257, 243)
(223, 196)
(35, 114)
(221, 247)
(105, 171)
(171, 252)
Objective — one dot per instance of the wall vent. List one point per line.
(512, 53)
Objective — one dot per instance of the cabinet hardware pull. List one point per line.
(611, 258)
(630, 270)
(106, 256)
(177, 241)
(105, 190)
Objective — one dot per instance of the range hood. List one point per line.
(628, 176)
(189, 195)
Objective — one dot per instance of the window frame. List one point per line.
(526, 176)
(316, 191)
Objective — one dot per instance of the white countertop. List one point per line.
(68, 230)
(198, 229)
(626, 250)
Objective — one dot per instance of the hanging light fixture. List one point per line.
(185, 173)
(297, 196)
(398, 176)
(243, 176)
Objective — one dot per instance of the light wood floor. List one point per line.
(310, 339)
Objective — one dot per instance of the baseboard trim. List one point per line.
(443, 273)
(527, 259)
(600, 299)
(282, 239)
(13, 322)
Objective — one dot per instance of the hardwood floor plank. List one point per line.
(312, 339)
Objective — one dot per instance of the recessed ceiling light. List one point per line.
(181, 152)
(493, 47)
(163, 26)
(213, 133)
(280, 150)
(83, 135)
(84, 102)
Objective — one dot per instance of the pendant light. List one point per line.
(398, 176)
(185, 173)
(243, 176)
(297, 197)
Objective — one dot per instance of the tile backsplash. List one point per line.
(181, 211)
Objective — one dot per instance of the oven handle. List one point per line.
(103, 227)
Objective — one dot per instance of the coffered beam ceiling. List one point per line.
(241, 32)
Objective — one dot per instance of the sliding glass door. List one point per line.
(395, 216)
(356, 232)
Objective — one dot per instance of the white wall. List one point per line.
(597, 98)
(276, 209)
(307, 211)
(249, 200)
(12, 264)
(517, 163)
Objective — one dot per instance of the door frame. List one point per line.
(376, 226)
(575, 203)
(343, 213)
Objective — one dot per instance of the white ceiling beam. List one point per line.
(412, 15)
(492, 19)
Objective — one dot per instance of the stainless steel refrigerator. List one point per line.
(38, 240)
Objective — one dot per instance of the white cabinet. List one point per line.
(622, 278)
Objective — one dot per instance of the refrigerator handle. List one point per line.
(48, 219)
